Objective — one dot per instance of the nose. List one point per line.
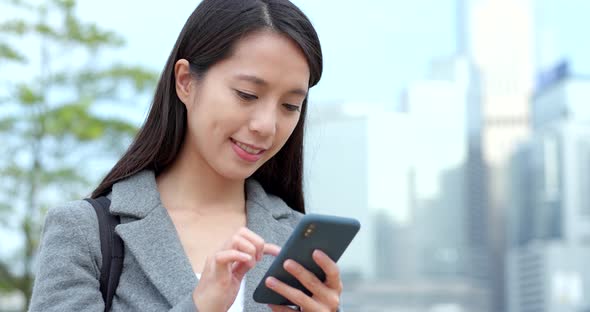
(264, 120)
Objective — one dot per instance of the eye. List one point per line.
(246, 96)
(292, 108)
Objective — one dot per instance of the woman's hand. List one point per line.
(325, 296)
(223, 272)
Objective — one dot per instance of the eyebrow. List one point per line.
(262, 82)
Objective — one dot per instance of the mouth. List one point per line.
(250, 149)
(247, 152)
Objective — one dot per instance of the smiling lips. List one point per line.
(247, 152)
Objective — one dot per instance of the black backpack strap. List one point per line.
(111, 247)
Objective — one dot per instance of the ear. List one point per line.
(184, 81)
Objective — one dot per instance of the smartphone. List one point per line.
(330, 234)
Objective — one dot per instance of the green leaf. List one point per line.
(66, 5)
(7, 52)
(15, 27)
(7, 124)
(104, 83)
(13, 171)
(26, 95)
(67, 119)
(20, 4)
(47, 31)
(76, 120)
(139, 77)
(89, 34)
(7, 280)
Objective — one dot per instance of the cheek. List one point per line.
(287, 130)
(292, 127)
(212, 120)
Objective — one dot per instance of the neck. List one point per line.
(191, 185)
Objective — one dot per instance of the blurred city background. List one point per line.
(456, 131)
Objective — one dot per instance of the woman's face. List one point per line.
(245, 108)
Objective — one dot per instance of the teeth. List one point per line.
(247, 148)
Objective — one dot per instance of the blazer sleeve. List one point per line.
(67, 276)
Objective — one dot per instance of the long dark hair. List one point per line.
(208, 37)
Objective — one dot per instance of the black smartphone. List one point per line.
(330, 234)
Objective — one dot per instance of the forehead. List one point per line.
(270, 56)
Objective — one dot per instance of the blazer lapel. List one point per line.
(263, 219)
(151, 237)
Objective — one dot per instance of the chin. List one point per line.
(237, 173)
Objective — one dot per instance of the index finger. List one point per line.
(271, 249)
(255, 239)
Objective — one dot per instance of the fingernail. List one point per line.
(271, 281)
(287, 264)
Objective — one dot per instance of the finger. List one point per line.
(292, 294)
(241, 268)
(309, 280)
(279, 308)
(242, 244)
(255, 239)
(271, 249)
(330, 268)
(225, 257)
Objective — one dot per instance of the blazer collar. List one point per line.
(150, 235)
(137, 195)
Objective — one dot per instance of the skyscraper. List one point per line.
(502, 50)
(549, 235)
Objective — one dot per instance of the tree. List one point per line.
(54, 123)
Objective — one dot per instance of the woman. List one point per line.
(213, 180)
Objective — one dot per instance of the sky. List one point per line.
(372, 49)
(562, 33)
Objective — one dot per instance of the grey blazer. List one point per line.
(157, 275)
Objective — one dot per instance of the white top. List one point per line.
(238, 305)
